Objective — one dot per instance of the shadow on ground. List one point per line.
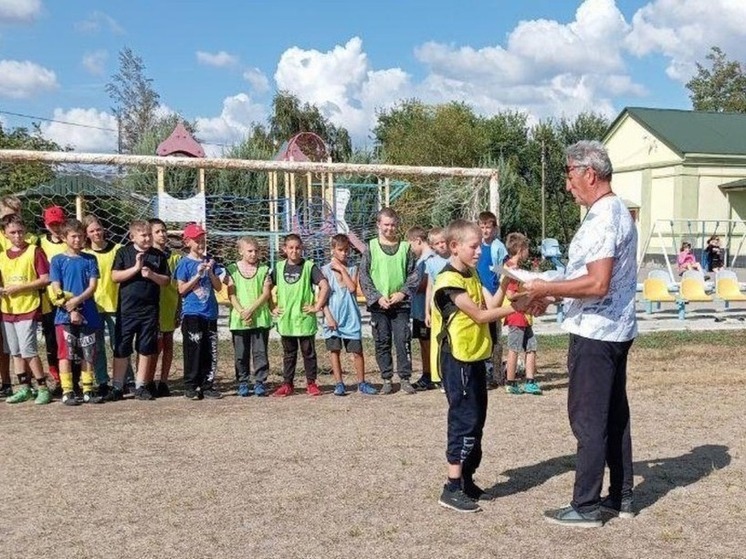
(658, 476)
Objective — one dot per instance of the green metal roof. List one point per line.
(73, 185)
(688, 132)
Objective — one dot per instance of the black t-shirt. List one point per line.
(292, 273)
(139, 295)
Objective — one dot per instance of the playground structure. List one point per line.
(314, 199)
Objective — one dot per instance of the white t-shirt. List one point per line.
(606, 232)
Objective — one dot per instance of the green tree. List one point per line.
(135, 100)
(718, 86)
(17, 177)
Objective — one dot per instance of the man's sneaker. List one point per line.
(286, 389)
(212, 393)
(424, 383)
(531, 387)
(313, 389)
(568, 516)
(143, 393)
(6, 391)
(243, 390)
(92, 398)
(387, 387)
(457, 500)
(69, 399)
(152, 387)
(43, 396)
(513, 389)
(191, 394)
(259, 389)
(22, 394)
(623, 508)
(366, 388)
(114, 395)
(163, 391)
(407, 387)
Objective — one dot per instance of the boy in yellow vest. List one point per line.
(24, 271)
(460, 344)
(389, 279)
(296, 312)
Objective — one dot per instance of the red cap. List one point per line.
(193, 230)
(54, 214)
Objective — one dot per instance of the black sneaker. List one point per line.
(191, 394)
(6, 391)
(114, 395)
(152, 388)
(212, 393)
(143, 393)
(103, 390)
(475, 493)
(568, 516)
(623, 507)
(424, 383)
(163, 391)
(69, 399)
(92, 398)
(457, 500)
(57, 392)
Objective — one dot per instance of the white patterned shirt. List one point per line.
(606, 232)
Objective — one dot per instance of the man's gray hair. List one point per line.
(593, 154)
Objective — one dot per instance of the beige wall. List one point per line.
(631, 145)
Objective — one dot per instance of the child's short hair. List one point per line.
(340, 240)
(434, 232)
(12, 203)
(292, 237)
(157, 221)
(139, 225)
(487, 217)
(515, 243)
(11, 219)
(387, 212)
(248, 240)
(416, 233)
(459, 228)
(72, 225)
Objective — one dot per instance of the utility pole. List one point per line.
(543, 192)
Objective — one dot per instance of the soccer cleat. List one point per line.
(339, 389)
(43, 396)
(114, 395)
(142, 393)
(513, 389)
(92, 398)
(424, 383)
(387, 388)
(243, 390)
(366, 388)
(531, 387)
(69, 399)
(286, 389)
(22, 394)
(163, 391)
(212, 393)
(191, 394)
(623, 507)
(568, 516)
(457, 500)
(259, 389)
(313, 389)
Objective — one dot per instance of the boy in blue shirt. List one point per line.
(74, 277)
(197, 282)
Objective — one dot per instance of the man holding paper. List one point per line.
(599, 285)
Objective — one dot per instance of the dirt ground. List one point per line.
(360, 476)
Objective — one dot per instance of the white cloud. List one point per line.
(259, 82)
(219, 59)
(99, 21)
(684, 30)
(95, 62)
(19, 11)
(23, 79)
(98, 134)
(232, 125)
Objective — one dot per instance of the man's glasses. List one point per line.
(569, 168)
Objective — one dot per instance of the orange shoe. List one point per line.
(285, 390)
(313, 389)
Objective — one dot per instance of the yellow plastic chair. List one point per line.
(727, 288)
(693, 288)
(655, 290)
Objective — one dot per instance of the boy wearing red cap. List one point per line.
(140, 270)
(197, 279)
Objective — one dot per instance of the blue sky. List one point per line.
(218, 63)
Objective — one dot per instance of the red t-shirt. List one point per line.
(516, 318)
(41, 265)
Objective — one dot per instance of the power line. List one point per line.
(81, 125)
